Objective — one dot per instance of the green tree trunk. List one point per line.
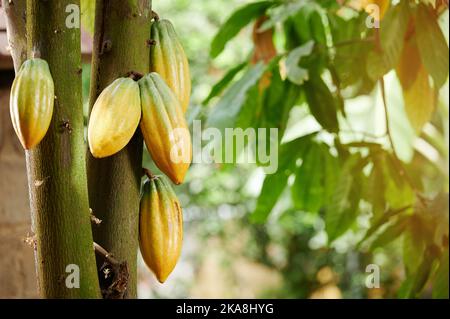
(56, 168)
(120, 46)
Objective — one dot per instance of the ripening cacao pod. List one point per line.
(164, 128)
(167, 58)
(115, 117)
(160, 227)
(31, 102)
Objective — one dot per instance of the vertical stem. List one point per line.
(122, 28)
(56, 167)
(16, 30)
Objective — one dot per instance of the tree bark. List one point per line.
(121, 34)
(16, 30)
(56, 167)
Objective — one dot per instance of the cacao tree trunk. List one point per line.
(121, 36)
(57, 166)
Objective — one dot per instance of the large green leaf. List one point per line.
(226, 111)
(432, 45)
(275, 184)
(277, 102)
(344, 204)
(236, 22)
(295, 73)
(392, 32)
(220, 86)
(315, 179)
(308, 188)
(322, 103)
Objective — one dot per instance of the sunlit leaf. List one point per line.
(227, 109)
(419, 101)
(224, 82)
(392, 32)
(238, 20)
(281, 14)
(391, 233)
(432, 45)
(295, 73)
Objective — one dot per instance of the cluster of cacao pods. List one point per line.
(158, 101)
(31, 102)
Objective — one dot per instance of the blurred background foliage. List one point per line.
(363, 163)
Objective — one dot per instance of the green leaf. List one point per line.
(392, 32)
(432, 45)
(224, 82)
(389, 234)
(228, 108)
(275, 184)
(315, 179)
(281, 14)
(398, 192)
(322, 103)
(308, 189)
(238, 20)
(295, 73)
(377, 186)
(440, 286)
(377, 65)
(414, 246)
(343, 208)
(420, 277)
(350, 60)
(278, 100)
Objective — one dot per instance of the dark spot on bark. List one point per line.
(150, 42)
(66, 127)
(106, 46)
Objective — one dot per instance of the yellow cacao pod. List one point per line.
(31, 102)
(167, 58)
(114, 118)
(160, 227)
(164, 128)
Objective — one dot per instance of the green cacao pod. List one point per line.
(160, 227)
(115, 117)
(167, 58)
(164, 128)
(31, 103)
